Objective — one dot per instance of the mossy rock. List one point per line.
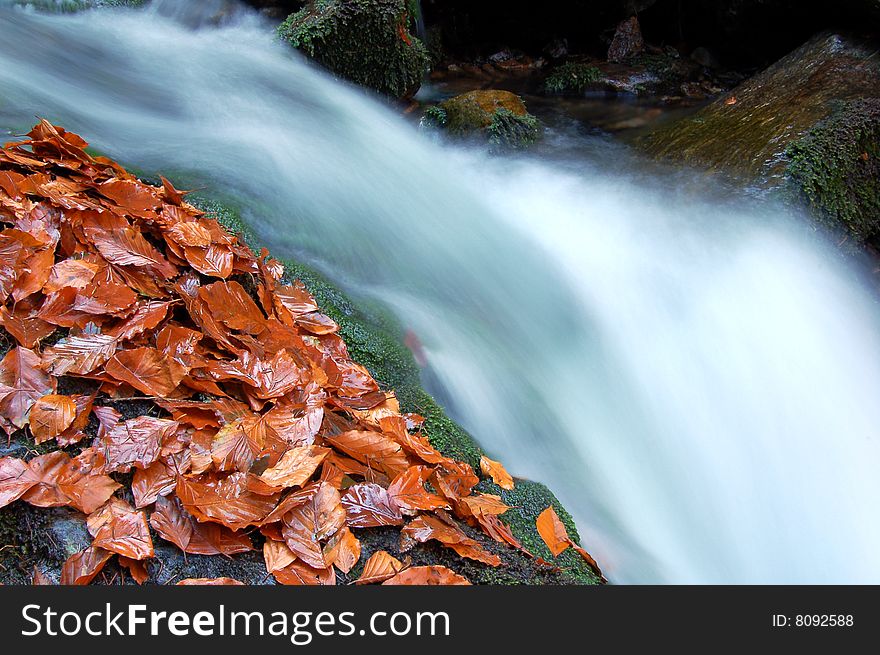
(364, 41)
(572, 78)
(498, 117)
(834, 169)
(806, 125)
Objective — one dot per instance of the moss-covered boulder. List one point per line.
(807, 125)
(365, 41)
(499, 117)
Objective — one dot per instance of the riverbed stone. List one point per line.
(367, 42)
(627, 41)
(808, 125)
(499, 117)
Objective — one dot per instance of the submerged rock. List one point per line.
(808, 124)
(500, 117)
(365, 41)
(627, 42)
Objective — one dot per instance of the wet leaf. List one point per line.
(136, 442)
(408, 491)
(552, 531)
(50, 416)
(81, 568)
(307, 524)
(16, 479)
(22, 383)
(369, 505)
(497, 472)
(118, 528)
(427, 527)
(427, 575)
(380, 567)
(210, 582)
(147, 370)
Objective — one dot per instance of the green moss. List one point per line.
(364, 41)
(434, 117)
(571, 78)
(509, 131)
(834, 169)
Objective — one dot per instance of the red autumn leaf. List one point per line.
(380, 567)
(300, 573)
(176, 525)
(427, 527)
(136, 568)
(50, 416)
(159, 479)
(369, 505)
(295, 467)
(497, 472)
(25, 325)
(81, 568)
(230, 305)
(210, 582)
(79, 355)
(427, 575)
(83, 482)
(226, 501)
(16, 478)
(409, 493)
(147, 315)
(277, 555)
(147, 370)
(22, 383)
(343, 550)
(372, 448)
(46, 469)
(118, 528)
(316, 519)
(136, 442)
(75, 273)
(455, 480)
(552, 531)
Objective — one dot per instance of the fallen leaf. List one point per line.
(50, 416)
(120, 529)
(552, 531)
(427, 575)
(81, 568)
(497, 472)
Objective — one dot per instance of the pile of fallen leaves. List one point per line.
(267, 424)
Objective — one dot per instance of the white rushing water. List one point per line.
(698, 381)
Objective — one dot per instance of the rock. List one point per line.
(500, 117)
(704, 58)
(809, 125)
(627, 42)
(364, 41)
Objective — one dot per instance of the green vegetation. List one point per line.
(365, 41)
(498, 117)
(571, 78)
(835, 169)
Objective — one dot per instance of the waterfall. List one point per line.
(697, 378)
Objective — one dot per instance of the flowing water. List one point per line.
(695, 377)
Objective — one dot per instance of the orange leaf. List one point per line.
(81, 568)
(22, 383)
(552, 531)
(427, 527)
(118, 528)
(210, 582)
(50, 416)
(307, 524)
(496, 471)
(380, 567)
(369, 505)
(147, 370)
(427, 575)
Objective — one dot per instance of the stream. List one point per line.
(692, 371)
